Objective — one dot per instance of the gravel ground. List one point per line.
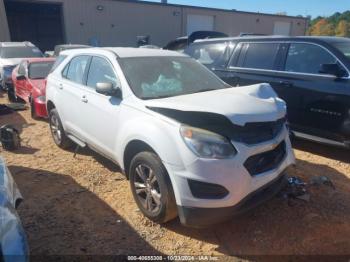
(83, 205)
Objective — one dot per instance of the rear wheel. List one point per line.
(57, 131)
(151, 187)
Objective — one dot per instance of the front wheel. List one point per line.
(151, 187)
(57, 131)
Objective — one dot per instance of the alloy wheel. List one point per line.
(55, 129)
(147, 188)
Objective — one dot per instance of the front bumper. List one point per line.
(230, 174)
(203, 217)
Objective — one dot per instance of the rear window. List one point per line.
(39, 70)
(211, 55)
(20, 52)
(343, 47)
(259, 56)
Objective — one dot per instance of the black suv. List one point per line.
(310, 73)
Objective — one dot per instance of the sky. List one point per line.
(292, 7)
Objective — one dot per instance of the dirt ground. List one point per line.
(83, 205)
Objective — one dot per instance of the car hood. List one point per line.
(241, 105)
(10, 61)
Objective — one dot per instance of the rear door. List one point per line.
(71, 95)
(254, 63)
(260, 62)
(323, 100)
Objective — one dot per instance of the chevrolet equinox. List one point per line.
(190, 145)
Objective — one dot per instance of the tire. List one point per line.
(32, 109)
(57, 131)
(11, 95)
(156, 188)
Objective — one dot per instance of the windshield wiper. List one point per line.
(157, 97)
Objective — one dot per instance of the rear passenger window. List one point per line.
(76, 69)
(307, 58)
(101, 72)
(259, 56)
(210, 54)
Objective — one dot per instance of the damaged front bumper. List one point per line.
(203, 217)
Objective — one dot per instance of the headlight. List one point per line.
(206, 144)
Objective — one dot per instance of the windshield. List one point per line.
(39, 70)
(343, 47)
(20, 52)
(159, 77)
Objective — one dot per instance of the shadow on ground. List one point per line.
(332, 152)
(276, 228)
(61, 217)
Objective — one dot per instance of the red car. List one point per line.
(29, 79)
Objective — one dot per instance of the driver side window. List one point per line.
(101, 71)
(307, 58)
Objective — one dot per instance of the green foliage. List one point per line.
(337, 24)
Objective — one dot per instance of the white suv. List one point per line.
(190, 144)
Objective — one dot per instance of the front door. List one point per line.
(101, 112)
(324, 99)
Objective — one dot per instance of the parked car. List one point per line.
(49, 53)
(11, 54)
(29, 79)
(181, 43)
(310, 73)
(59, 48)
(189, 143)
(13, 241)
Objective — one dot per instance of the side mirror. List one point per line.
(21, 77)
(333, 69)
(107, 89)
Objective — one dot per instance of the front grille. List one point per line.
(255, 133)
(266, 161)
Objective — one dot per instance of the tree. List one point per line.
(343, 29)
(322, 27)
(337, 24)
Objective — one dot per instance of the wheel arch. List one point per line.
(134, 147)
(50, 105)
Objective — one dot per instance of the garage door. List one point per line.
(199, 23)
(39, 23)
(282, 28)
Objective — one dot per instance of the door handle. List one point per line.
(286, 83)
(84, 99)
(60, 86)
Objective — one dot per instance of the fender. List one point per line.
(159, 135)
